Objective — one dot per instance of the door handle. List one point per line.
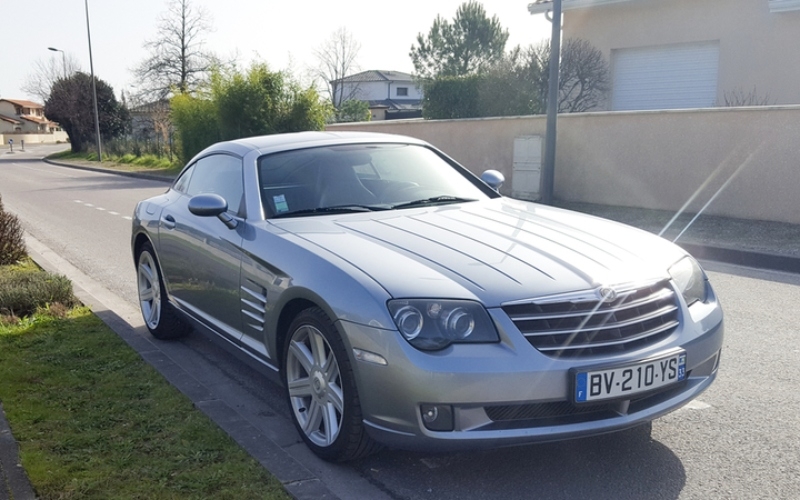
(168, 222)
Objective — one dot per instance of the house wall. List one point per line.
(376, 91)
(6, 127)
(8, 109)
(757, 47)
(648, 159)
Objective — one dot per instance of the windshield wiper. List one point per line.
(339, 209)
(436, 200)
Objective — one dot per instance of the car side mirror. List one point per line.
(212, 205)
(493, 179)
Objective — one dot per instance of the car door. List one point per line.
(201, 256)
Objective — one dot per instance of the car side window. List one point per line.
(183, 181)
(220, 174)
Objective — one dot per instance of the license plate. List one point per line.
(629, 380)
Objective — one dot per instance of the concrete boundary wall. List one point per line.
(53, 138)
(744, 161)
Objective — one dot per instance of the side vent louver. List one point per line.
(254, 303)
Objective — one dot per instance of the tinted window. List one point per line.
(360, 176)
(219, 174)
(183, 180)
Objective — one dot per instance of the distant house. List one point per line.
(24, 117)
(689, 53)
(151, 121)
(391, 94)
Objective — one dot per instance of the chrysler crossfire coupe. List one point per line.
(403, 302)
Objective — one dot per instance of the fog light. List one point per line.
(437, 417)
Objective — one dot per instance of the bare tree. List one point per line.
(177, 62)
(583, 77)
(337, 59)
(46, 73)
(583, 81)
(738, 97)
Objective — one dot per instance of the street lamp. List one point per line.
(94, 86)
(63, 60)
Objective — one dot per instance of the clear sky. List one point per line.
(282, 33)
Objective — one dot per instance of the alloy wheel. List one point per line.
(315, 385)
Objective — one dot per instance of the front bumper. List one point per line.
(509, 393)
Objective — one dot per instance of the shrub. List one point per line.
(449, 98)
(12, 245)
(24, 291)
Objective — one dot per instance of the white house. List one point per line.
(670, 54)
(390, 94)
(24, 117)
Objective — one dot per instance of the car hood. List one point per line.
(495, 251)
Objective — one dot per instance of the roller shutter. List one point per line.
(666, 77)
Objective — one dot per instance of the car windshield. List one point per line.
(360, 178)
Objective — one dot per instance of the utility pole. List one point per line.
(94, 87)
(549, 167)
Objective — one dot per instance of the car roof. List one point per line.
(297, 140)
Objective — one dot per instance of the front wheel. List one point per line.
(321, 389)
(159, 316)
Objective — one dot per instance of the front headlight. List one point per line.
(691, 280)
(435, 324)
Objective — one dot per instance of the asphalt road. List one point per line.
(740, 440)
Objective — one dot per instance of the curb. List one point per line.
(758, 260)
(139, 175)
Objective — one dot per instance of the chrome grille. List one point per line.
(586, 325)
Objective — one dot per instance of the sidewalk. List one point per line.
(751, 243)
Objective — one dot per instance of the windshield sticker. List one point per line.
(280, 203)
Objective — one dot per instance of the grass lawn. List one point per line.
(93, 420)
(127, 163)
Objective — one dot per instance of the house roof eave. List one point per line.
(24, 104)
(10, 120)
(376, 76)
(783, 5)
(34, 119)
(543, 6)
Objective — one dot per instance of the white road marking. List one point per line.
(89, 205)
(697, 405)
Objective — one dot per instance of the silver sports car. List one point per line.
(402, 301)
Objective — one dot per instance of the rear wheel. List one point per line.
(321, 389)
(159, 316)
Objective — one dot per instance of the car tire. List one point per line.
(321, 389)
(159, 316)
